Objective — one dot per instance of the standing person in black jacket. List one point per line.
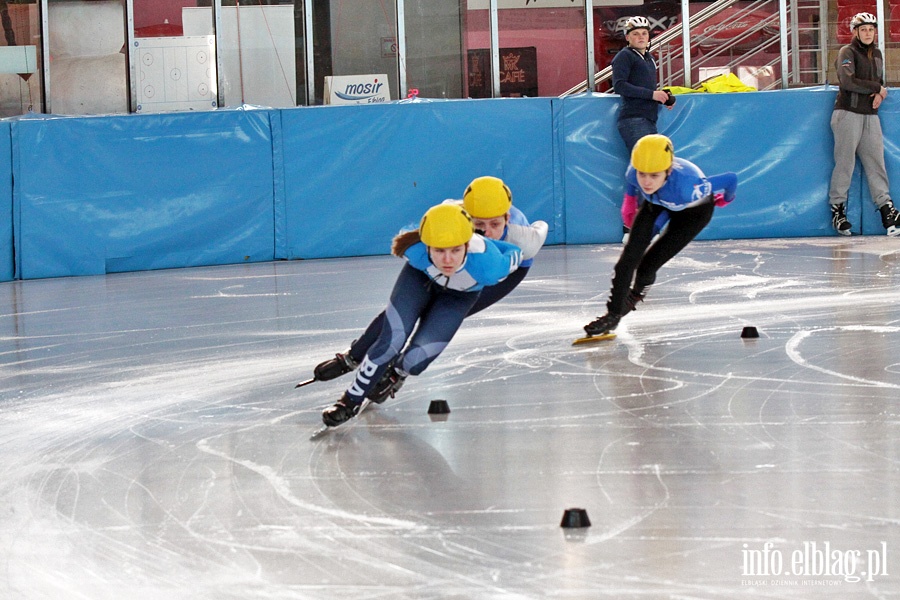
(857, 128)
(634, 80)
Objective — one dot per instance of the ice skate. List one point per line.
(341, 364)
(389, 384)
(603, 325)
(342, 411)
(839, 218)
(890, 218)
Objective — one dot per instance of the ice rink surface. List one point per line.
(154, 447)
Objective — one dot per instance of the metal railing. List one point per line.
(665, 37)
(671, 53)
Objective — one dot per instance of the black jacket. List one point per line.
(860, 71)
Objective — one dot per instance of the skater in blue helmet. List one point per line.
(447, 266)
(668, 186)
(488, 200)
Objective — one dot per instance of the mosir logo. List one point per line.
(361, 91)
(357, 89)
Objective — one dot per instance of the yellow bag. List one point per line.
(727, 82)
(677, 89)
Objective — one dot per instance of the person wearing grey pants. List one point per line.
(857, 128)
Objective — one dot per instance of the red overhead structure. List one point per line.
(734, 23)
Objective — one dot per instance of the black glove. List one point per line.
(670, 101)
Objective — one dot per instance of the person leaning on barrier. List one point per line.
(857, 127)
(634, 80)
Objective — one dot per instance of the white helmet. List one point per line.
(862, 18)
(636, 23)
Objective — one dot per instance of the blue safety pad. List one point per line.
(7, 271)
(128, 193)
(354, 175)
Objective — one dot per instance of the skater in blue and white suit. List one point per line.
(488, 200)
(447, 267)
(669, 187)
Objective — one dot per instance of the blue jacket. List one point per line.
(634, 79)
(686, 186)
(487, 262)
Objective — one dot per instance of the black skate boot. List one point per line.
(342, 411)
(602, 325)
(839, 218)
(341, 364)
(389, 384)
(890, 218)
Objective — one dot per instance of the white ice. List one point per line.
(154, 446)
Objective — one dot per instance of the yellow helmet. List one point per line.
(652, 154)
(446, 226)
(487, 197)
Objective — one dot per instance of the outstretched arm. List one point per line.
(724, 186)
(529, 238)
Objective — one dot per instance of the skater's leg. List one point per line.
(683, 227)
(848, 129)
(360, 346)
(493, 293)
(871, 154)
(638, 241)
(409, 299)
(436, 328)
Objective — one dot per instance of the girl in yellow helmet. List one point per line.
(447, 265)
(669, 187)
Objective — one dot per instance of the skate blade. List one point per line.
(320, 432)
(594, 338)
(893, 231)
(303, 383)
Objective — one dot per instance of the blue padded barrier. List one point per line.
(94, 195)
(355, 174)
(7, 272)
(99, 195)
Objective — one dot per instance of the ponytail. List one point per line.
(402, 242)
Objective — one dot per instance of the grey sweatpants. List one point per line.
(858, 135)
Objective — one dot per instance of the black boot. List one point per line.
(334, 368)
(890, 218)
(839, 218)
(603, 325)
(389, 384)
(342, 411)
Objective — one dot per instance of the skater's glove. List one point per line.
(721, 200)
(629, 210)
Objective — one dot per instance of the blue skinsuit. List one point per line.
(424, 295)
